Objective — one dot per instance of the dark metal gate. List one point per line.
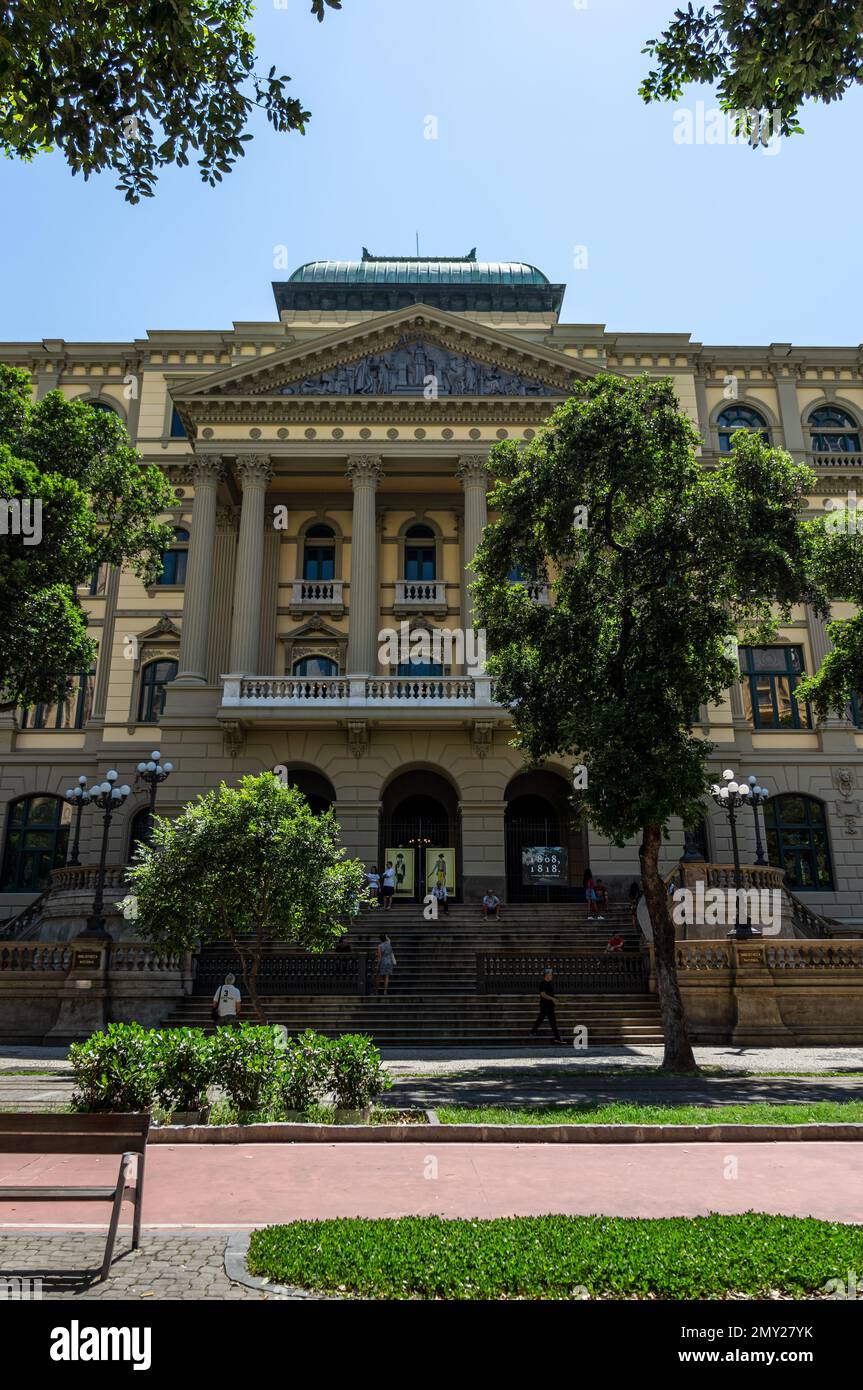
(543, 830)
(414, 834)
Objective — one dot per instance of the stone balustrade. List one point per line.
(420, 595)
(356, 692)
(318, 595)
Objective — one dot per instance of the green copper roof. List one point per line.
(414, 270)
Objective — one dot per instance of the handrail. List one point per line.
(18, 928)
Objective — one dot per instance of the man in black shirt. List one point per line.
(547, 1006)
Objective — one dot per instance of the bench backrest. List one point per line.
(73, 1134)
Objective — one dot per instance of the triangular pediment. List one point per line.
(414, 352)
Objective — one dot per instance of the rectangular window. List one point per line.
(71, 713)
(770, 677)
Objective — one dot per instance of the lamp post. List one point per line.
(79, 797)
(757, 797)
(154, 773)
(730, 798)
(109, 798)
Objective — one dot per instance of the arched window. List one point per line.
(420, 553)
(739, 417)
(797, 841)
(138, 831)
(155, 676)
(315, 666)
(175, 559)
(37, 833)
(104, 405)
(319, 553)
(833, 431)
(177, 431)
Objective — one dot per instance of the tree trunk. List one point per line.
(678, 1051)
(249, 961)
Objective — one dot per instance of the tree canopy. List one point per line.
(246, 864)
(762, 55)
(73, 468)
(134, 87)
(835, 545)
(655, 563)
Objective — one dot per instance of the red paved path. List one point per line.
(249, 1184)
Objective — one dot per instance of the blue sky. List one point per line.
(543, 146)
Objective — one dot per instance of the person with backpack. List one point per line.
(227, 1002)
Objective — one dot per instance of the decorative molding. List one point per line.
(471, 470)
(233, 737)
(365, 470)
(482, 737)
(254, 470)
(358, 737)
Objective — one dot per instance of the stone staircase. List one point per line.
(433, 999)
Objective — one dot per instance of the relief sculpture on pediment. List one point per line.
(416, 367)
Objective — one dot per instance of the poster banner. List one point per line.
(544, 864)
(440, 868)
(404, 863)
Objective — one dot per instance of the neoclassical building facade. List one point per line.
(330, 494)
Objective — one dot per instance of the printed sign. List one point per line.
(544, 864)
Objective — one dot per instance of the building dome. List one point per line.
(418, 270)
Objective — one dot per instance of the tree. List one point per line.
(657, 562)
(765, 56)
(247, 864)
(132, 88)
(73, 495)
(835, 551)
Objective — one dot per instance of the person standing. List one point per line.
(373, 890)
(385, 961)
(388, 885)
(590, 894)
(227, 1002)
(547, 1006)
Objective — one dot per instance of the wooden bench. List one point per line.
(125, 1135)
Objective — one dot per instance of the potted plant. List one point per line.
(357, 1075)
(184, 1060)
(114, 1070)
(303, 1073)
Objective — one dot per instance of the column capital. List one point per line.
(226, 518)
(207, 470)
(254, 470)
(365, 470)
(471, 470)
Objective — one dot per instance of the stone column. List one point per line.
(365, 473)
(194, 640)
(254, 474)
(785, 377)
(472, 473)
(223, 592)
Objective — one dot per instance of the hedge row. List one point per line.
(129, 1068)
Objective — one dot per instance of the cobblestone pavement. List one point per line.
(184, 1265)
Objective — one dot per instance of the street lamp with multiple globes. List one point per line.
(730, 798)
(757, 797)
(109, 798)
(154, 774)
(79, 797)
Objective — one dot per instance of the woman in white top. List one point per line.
(373, 880)
(388, 886)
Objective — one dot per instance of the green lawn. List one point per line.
(619, 1113)
(559, 1256)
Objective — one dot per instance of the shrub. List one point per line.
(115, 1070)
(184, 1066)
(245, 1064)
(303, 1073)
(357, 1074)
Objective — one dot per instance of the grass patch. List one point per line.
(559, 1256)
(623, 1113)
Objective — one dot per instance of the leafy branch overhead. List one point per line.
(135, 87)
(764, 55)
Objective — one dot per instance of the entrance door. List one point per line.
(534, 821)
(416, 823)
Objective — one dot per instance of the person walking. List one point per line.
(547, 1006)
(227, 1002)
(385, 961)
(388, 885)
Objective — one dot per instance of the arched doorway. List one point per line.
(315, 787)
(539, 816)
(421, 833)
